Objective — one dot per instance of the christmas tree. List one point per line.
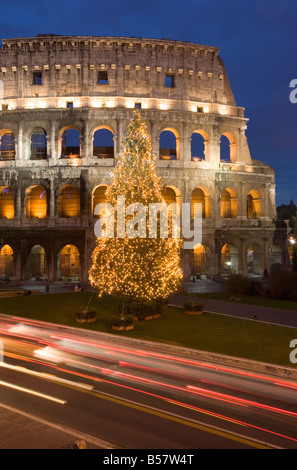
(133, 263)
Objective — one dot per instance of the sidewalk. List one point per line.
(20, 430)
(280, 317)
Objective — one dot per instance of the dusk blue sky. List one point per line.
(258, 42)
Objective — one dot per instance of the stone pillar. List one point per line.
(53, 149)
(19, 153)
(52, 199)
(266, 255)
(243, 257)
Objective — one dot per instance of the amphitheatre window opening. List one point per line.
(7, 146)
(254, 260)
(229, 204)
(6, 262)
(253, 205)
(228, 148)
(169, 195)
(99, 197)
(102, 77)
(224, 149)
(69, 104)
(199, 262)
(199, 197)
(69, 202)
(37, 78)
(68, 263)
(6, 203)
(36, 268)
(169, 81)
(137, 106)
(197, 147)
(38, 144)
(4, 107)
(36, 203)
(229, 259)
(70, 144)
(168, 146)
(103, 143)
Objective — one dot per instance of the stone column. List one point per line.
(19, 153)
(53, 149)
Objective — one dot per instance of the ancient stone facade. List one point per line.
(65, 105)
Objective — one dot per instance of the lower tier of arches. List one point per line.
(65, 255)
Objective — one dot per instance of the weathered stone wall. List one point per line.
(200, 100)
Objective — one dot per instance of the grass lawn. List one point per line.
(209, 332)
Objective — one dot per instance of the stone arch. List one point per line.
(36, 202)
(200, 261)
(6, 203)
(36, 264)
(201, 195)
(69, 201)
(98, 197)
(6, 262)
(103, 142)
(254, 204)
(229, 203)
(275, 256)
(199, 145)
(38, 140)
(7, 145)
(228, 147)
(254, 260)
(69, 263)
(169, 144)
(229, 259)
(69, 142)
(171, 194)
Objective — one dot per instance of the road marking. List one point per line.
(44, 375)
(32, 392)
(179, 419)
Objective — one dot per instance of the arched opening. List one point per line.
(103, 143)
(36, 268)
(254, 260)
(198, 145)
(169, 145)
(6, 262)
(229, 203)
(99, 197)
(228, 148)
(68, 260)
(36, 203)
(6, 203)
(169, 195)
(70, 143)
(200, 262)
(254, 209)
(69, 203)
(38, 144)
(275, 256)
(7, 145)
(200, 196)
(229, 259)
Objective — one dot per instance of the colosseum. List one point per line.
(65, 105)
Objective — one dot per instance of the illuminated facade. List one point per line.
(65, 104)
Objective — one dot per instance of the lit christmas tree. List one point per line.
(133, 263)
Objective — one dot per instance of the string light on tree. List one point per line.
(141, 268)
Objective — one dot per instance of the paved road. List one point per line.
(22, 431)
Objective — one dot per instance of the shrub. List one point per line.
(193, 306)
(239, 284)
